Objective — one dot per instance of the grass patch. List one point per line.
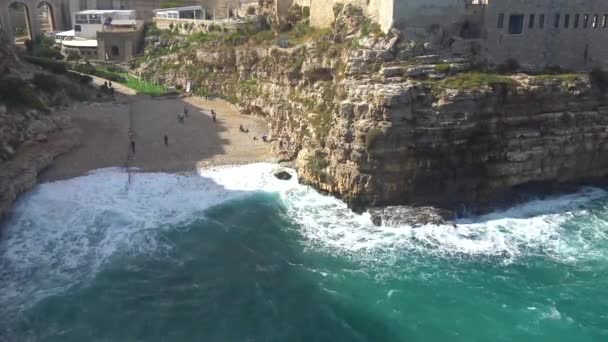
(147, 88)
(443, 68)
(569, 77)
(476, 80)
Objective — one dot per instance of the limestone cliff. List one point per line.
(31, 136)
(377, 120)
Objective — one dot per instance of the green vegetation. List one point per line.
(371, 27)
(569, 77)
(118, 75)
(52, 84)
(80, 78)
(85, 68)
(43, 47)
(317, 163)
(18, 94)
(475, 80)
(144, 87)
(443, 68)
(73, 56)
(51, 65)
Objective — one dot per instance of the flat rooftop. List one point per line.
(106, 11)
(179, 9)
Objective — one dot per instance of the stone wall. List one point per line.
(127, 43)
(570, 47)
(399, 13)
(188, 26)
(60, 11)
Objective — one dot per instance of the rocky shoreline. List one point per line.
(20, 174)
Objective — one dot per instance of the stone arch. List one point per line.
(20, 23)
(45, 16)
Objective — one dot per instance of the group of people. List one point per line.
(246, 130)
(107, 88)
(181, 117)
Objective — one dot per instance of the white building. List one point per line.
(88, 23)
(188, 12)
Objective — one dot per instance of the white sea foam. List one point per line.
(534, 227)
(61, 233)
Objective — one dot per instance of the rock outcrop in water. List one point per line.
(385, 120)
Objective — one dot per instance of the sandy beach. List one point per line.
(198, 142)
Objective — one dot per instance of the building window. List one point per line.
(81, 19)
(585, 20)
(605, 21)
(577, 18)
(94, 19)
(77, 28)
(566, 20)
(516, 23)
(541, 21)
(557, 18)
(115, 50)
(595, 20)
(531, 21)
(501, 20)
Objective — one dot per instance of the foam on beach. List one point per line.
(62, 233)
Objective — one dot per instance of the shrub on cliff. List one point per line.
(48, 64)
(17, 93)
(84, 79)
(85, 68)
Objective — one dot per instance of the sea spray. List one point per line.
(61, 236)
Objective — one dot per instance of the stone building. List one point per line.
(37, 16)
(394, 13)
(571, 34)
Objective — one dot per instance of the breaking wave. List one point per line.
(62, 233)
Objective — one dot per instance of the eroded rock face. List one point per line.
(411, 143)
(374, 129)
(30, 139)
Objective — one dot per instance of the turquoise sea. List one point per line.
(233, 254)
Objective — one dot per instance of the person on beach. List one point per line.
(166, 140)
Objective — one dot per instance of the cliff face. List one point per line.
(31, 136)
(384, 121)
(406, 142)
